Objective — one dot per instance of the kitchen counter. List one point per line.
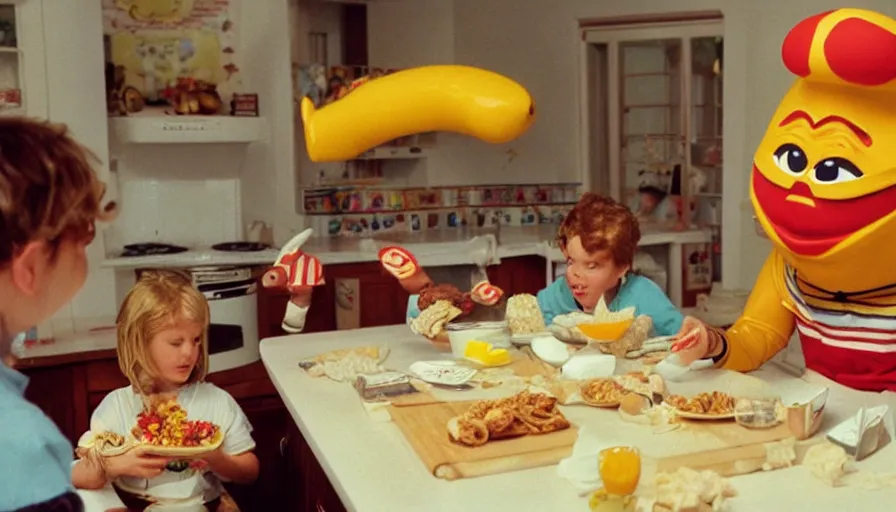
(373, 468)
(432, 248)
(70, 348)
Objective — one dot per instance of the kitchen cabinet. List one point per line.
(523, 274)
(314, 493)
(382, 300)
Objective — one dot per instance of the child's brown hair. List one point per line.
(48, 190)
(158, 300)
(603, 225)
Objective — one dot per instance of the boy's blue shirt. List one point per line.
(37, 459)
(638, 291)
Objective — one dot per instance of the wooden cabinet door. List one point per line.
(59, 391)
(311, 490)
(270, 426)
(272, 306)
(522, 274)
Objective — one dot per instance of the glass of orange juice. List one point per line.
(620, 469)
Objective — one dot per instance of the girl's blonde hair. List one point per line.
(158, 300)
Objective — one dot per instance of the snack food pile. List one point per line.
(165, 424)
(345, 365)
(603, 392)
(523, 414)
(523, 315)
(714, 403)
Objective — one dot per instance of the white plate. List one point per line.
(551, 350)
(447, 373)
(706, 417)
(184, 451)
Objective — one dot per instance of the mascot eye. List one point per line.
(836, 170)
(791, 158)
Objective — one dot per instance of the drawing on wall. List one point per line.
(160, 43)
(165, 11)
(154, 61)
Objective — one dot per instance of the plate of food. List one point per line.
(712, 406)
(163, 429)
(605, 393)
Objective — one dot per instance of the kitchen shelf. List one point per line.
(160, 129)
(395, 153)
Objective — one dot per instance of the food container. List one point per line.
(804, 417)
(459, 334)
(382, 386)
(759, 412)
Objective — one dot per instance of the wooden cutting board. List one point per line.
(425, 428)
(722, 446)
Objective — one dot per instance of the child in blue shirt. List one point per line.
(50, 199)
(599, 238)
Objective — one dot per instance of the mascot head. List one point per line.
(823, 182)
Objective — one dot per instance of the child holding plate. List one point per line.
(163, 351)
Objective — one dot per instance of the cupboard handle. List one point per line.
(284, 441)
(320, 508)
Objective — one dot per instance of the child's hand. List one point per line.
(135, 463)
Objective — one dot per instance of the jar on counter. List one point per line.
(459, 334)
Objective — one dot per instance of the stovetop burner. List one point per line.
(150, 249)
(240, 246)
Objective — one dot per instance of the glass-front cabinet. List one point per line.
(23, 89)
(654, 133)
(10, 61)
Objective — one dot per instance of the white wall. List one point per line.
(76, 97)
(537, 43)
(267, 178)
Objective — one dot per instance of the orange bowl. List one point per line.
(605, 332)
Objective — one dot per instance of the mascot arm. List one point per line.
(765, 326)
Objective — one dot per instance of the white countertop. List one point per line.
(432, 248)
(373, 468)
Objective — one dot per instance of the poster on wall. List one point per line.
(159, 42)
(697, 267)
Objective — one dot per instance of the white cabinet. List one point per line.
(23, 78)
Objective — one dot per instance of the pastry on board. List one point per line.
(525, 413)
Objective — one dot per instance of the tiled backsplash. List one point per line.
(186, 212)
(367, 211)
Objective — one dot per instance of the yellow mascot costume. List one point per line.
(823, 185)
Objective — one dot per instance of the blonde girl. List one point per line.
(163, 349)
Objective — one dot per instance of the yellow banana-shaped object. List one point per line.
(460, 99)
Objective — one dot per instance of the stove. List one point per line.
(151, 249)
(240, 246)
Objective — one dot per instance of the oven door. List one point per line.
(233, 332)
